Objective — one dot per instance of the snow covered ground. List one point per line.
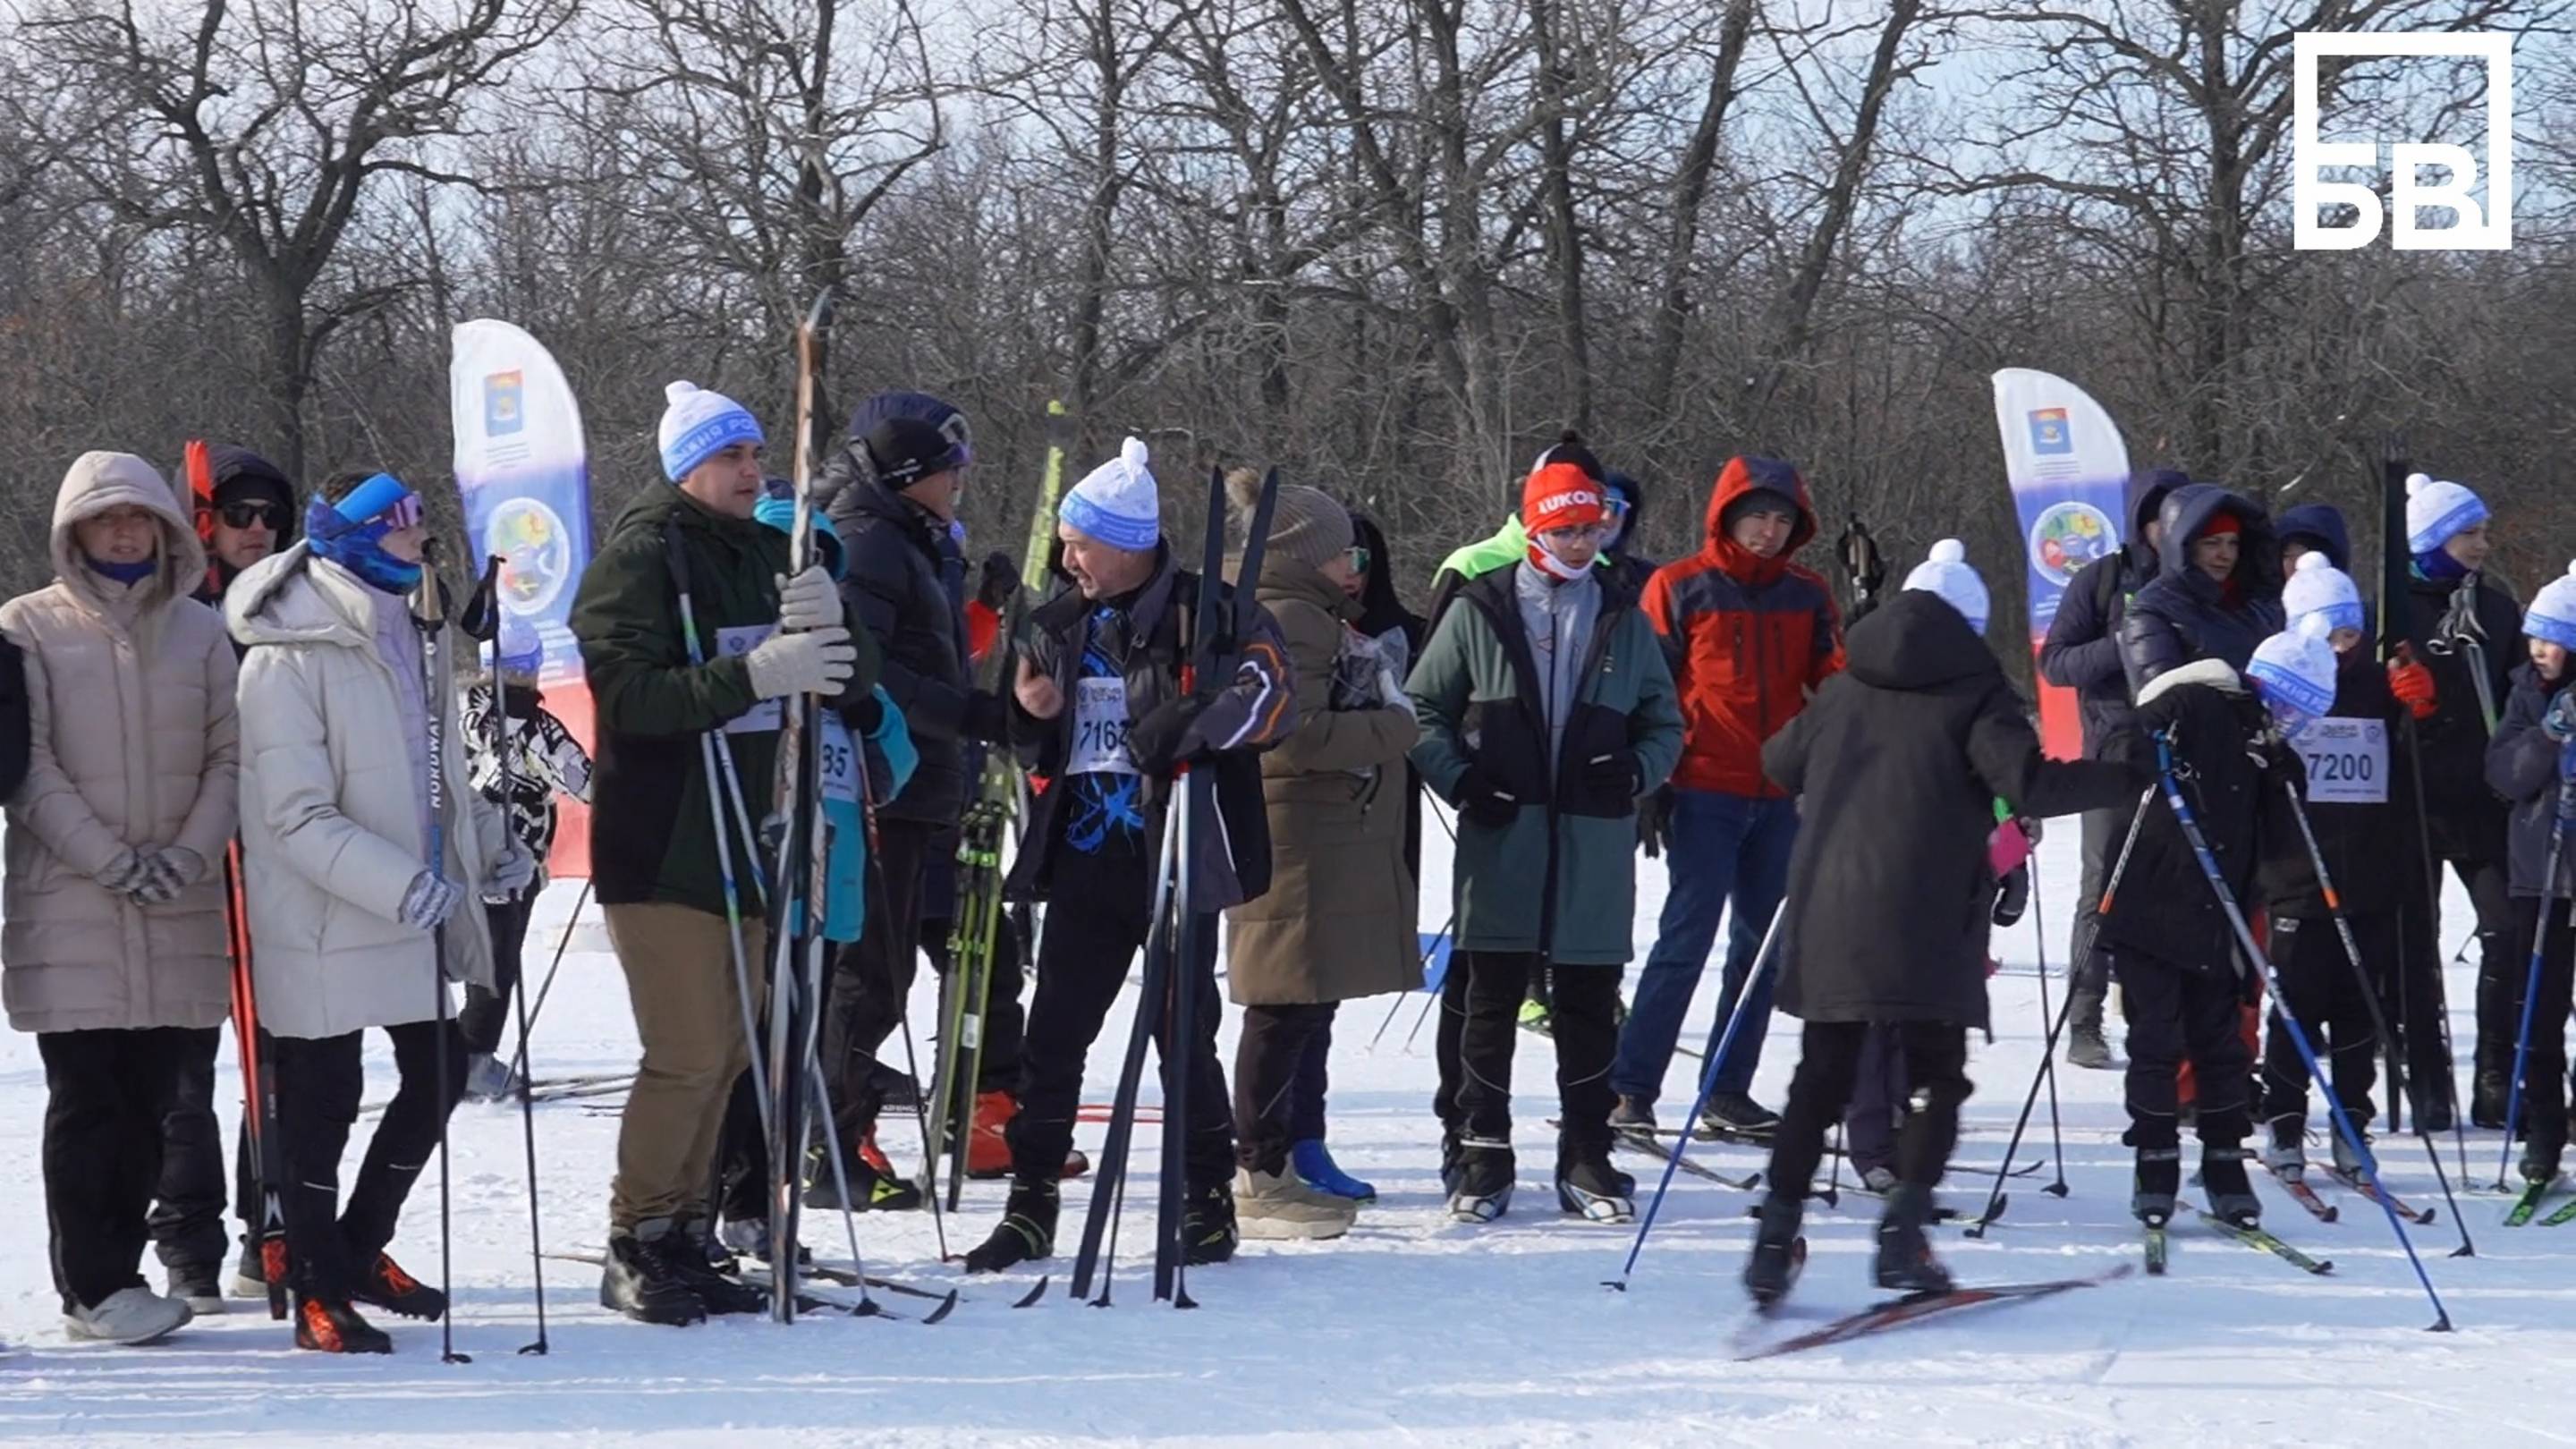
(1410, 1330)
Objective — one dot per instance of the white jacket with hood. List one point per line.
(333, 809)
(130, 710)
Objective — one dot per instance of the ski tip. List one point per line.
(946, 1306)
(1030, 1298)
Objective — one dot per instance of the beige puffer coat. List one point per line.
(130, 708)
(332, 809)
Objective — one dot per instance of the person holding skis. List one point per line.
(1749, 635)
(2464, 640)
(2532, 764)
(2183, 989)
(674, 698)
(1896, 766)
(2358, 792)
(114, 954)
(1099, 710)
(522, 757)
(1546, 713)
(345, 696)
(2082, 653)
(1338, 920)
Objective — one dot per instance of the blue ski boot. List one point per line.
(1315, 1167)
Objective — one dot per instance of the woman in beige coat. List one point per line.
(114, 944)
(346, 913)
(1338, 920)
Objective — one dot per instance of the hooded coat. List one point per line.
(2082, 652)
(218, 469)
(333, 815)
(1897, 765)
(2523, 765)
(894, 586)
(1338, 920)
(133, 746)
(2466, 818)
(2186, 615)
(2322, 523)
(1747, 638)
(1628, 568)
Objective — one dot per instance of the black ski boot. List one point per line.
(1778, 1252)
(2231, 1193)
(1208, 1231)
(709, 1271)
(1026, 1232)
(1590, 1188)
(2158, 1181)
(387, 1286)
(2540, 1159)
(1905, 1261)
(1452, 1152)
(325, 1327)
(871, 1191)
(637, 1282)
(1736, 1117)
(1480, 1188)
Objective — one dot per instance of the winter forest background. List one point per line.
(1392, 245)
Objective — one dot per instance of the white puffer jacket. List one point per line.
(130, 709)
(332, 808)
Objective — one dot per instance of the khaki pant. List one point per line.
(679, 979)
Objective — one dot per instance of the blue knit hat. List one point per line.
(2296, 668)
(2436, 511)
(1118, 503)
(2317, 587)
(698, 424)
(2552, 616)
(1947, 574)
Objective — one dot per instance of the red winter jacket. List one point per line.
(1747, 638)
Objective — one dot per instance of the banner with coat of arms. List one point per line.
(2069, 472)
(524, 470)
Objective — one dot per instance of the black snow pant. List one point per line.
(1878, 1097)
(2417, 1006)
(1268, 1063)
(1935, 1060)
(2088, 972)
(2178, 1013)
(2500, 969)
(187, 1218)
(872, 980)
(486, 1012)
(107, 1094)
(319, 1084)
(1448, 1054)
(1096, 923)
(2544, 1072)
(741, 1192)
(1314, 1079)
(1006, 1022)
(1583, 1021)
(2327, 997)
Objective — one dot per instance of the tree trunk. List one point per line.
(1565, 239)
(1690, 193)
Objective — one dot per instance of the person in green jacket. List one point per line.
(1546, 711)
(759, 639)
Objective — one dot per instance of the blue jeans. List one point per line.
(1726, 849)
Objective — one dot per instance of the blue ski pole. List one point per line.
(2531, 978)
(2281, 1004)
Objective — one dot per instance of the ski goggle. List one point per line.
(244, 512)
(1616, 505)
(1357, 556)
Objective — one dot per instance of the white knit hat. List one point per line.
(2435, 511)
(2318, 587)
(2552, 616)
(1118, 502)
(1947, 573)
(698, 423)
(2297, 667)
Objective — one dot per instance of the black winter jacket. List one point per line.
(2523, 765)
(1897, 763)
(2162, 904)
(2371, 850)
(2185, 615)
(893, 587)
(2082, 652)
(2466, 817)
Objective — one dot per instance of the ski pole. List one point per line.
(2298, 1035)
(1396, 1005)
(2066, 1013)
(921, 1118)
(1707, 1085)
(2370, 998)
(519, 1062)
(2531, 991)
(519, 995)
(2048, 1062)
(1109, 1181)
(431, 620)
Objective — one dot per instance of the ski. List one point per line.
(2372, 1191)
(2566, 1214)
(2155, 1247)
(1945, 1215)
(2528, 1203)
(2258, 1238)
(2306, 1197)
(1900, 1312)
(1644, 1142)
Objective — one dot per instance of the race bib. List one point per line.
(1100, 728)
(739, 640)
(840, 761)
(2347, 761)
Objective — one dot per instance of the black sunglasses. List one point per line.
(245, 512)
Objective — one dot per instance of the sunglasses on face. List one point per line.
(246, 512)
(404, 513)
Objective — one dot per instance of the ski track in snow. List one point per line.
(1411, 1330)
